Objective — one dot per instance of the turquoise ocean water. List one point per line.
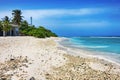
(108, 47)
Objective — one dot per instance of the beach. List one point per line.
(29, 58)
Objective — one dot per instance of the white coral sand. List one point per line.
(41, 53)
(25, 57)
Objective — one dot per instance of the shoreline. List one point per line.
(81, 67)
(46, 59)
(86, 53)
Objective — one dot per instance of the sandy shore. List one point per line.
(25, 58)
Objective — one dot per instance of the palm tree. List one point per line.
(17, 18)
(5, 27)
(0, 25)
(6, 18)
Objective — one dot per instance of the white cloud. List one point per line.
(5, 13)
(90, 24)
(44, 13)
(60, 12)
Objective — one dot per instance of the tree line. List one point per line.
(24, 28)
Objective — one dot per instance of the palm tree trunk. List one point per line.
(4, 33)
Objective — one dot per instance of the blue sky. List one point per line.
(69, 17)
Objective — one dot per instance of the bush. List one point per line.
(39, 32)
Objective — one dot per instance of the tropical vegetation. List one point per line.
(25, 29)
(5, 25)
(17, 18)
(39, 32)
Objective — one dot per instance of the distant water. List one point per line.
(106, 46)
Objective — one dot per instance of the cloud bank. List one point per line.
(42, 15)
(61, 12)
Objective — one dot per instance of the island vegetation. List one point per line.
(25, 29)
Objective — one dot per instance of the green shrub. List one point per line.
(39, 32)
